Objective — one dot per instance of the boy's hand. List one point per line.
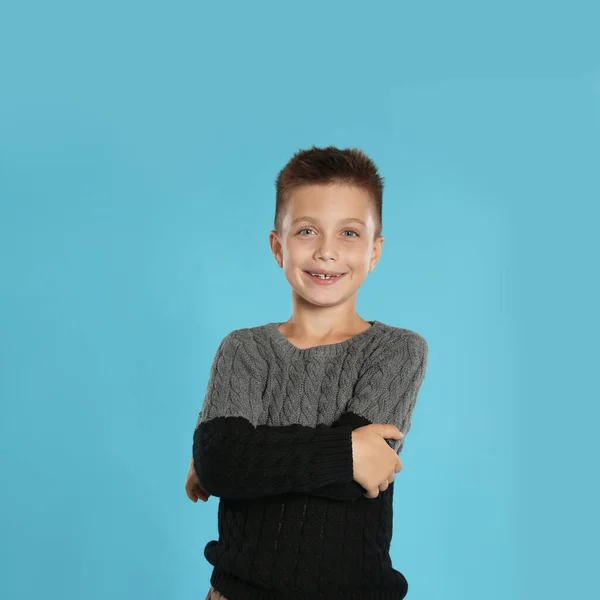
(375, 462)
(193, 489)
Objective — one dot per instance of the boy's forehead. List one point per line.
(328, 201)
(344, 204)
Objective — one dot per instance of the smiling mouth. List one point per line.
(325, 279)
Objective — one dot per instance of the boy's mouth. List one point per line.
(324, 279)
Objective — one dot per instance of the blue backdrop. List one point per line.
(139, 143)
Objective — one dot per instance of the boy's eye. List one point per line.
(347, 230)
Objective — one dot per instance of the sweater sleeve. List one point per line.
(237, 457)
(387, 388)
(386, 392)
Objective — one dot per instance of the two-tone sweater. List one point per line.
(273, 442)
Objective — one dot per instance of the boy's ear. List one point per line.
(274, 244)
(376, 252)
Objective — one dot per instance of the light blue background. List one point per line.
(139, 143)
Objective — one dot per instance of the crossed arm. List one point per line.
(235, 459)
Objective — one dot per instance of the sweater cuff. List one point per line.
(332, 461)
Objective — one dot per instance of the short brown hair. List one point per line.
(349, 166)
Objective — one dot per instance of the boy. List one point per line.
(301, 427)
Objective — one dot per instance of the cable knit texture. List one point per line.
(274, 443)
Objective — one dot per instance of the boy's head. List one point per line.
(323, 194)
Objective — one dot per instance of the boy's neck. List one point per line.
(302, 334)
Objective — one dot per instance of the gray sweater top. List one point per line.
(274, 442)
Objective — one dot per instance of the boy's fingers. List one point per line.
(191, 494)
(200, 493)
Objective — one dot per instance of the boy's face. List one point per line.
(315, 236)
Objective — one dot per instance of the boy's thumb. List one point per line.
(391, 432)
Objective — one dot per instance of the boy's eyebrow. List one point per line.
(342, 221)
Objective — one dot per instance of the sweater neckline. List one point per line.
(323, 349)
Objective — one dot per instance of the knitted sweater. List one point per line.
(274, 442)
